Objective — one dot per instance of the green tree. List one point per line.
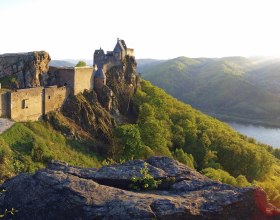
(155, 135)
(242, 181)
(130, 140)
(81, 64)
(184, 158)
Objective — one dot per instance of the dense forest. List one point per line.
(166, 126)
(163, 126)
(231, 88)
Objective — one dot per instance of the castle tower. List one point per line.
(120, 49)
(98, 57)
(99, 78)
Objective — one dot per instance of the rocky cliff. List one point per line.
(123, 81)
(85, 110)
(24, 70)
(65, 192)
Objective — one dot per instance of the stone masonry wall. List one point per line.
(27, 104)
(4, 104)
(54, 97)
(83, 79)
(27, 69)
(76, 78)
(62, 76)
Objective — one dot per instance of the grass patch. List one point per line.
(31, 145)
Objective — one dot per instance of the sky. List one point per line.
(159, 29)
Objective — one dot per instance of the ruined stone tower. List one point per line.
(99, 78)
(112, 58)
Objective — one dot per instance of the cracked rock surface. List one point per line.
(24, 70)
(66, 192)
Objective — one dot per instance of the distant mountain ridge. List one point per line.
(143, 64)
(230, 88)
(68, 62)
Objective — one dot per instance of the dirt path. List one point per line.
(5, 124)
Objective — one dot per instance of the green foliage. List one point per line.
(28, 146)
(184, 158)
(225, 177)
(81, 64)
(276, 153)
(271, 185)
(110, 161)
(38, 153)
(9, 82)
(8, 213)
(131, 143)
(165, 124)
(145, 182)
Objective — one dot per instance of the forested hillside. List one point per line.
(236, 88)
(169, 127)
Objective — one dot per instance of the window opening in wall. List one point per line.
(49, 97)
(24, 103)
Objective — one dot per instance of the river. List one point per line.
(270, 136)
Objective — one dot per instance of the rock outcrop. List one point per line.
(24, 70)
(123, 81)
(66, 192)
(85, 110)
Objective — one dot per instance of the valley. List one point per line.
(232, 88)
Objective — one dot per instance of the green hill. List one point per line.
(228, 88)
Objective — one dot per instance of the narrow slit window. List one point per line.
(25, 103)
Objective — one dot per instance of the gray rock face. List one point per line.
(26, 69)
(123, 81)
(66, 192)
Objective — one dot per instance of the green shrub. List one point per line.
(145, 182)
(184, 158)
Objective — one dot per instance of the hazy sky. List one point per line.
(159, 29)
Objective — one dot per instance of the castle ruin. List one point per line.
(36, 89)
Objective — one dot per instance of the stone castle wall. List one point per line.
(54, 97)
(63, 76)
(31, 104)
(83, 79)
(4, 104)
(28, 69)
(76, 78)
(27, 104)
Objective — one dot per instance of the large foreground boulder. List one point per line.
(66, 192)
